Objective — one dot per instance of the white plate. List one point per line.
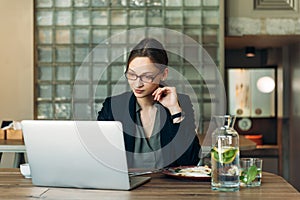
(201, 173)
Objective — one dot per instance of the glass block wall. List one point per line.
(66, 31)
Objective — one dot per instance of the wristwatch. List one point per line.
(178, 117)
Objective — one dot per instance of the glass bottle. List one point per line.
(225, 155)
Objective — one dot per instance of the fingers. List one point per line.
(159, 93)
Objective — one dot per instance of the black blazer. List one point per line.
(180, 145)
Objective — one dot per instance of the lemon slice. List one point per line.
(227, 155)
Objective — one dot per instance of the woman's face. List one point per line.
(146, 71)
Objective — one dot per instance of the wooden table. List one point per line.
(14, 186)
(11, 152)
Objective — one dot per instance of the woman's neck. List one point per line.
(145, 102)
(147, 114)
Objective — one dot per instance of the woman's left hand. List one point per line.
(167, 96)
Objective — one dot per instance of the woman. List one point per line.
(158, 123)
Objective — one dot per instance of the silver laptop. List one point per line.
(80, 154)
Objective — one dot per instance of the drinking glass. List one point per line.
(250, 172)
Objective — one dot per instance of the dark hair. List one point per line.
(152, 49)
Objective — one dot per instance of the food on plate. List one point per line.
(197, 171)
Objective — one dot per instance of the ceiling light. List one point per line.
(250, 52)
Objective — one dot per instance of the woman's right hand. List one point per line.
(167, 96)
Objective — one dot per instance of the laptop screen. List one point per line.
(85, 154)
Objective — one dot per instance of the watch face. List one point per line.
(244, 124)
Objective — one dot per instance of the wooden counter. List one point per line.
(262, 151)
(14, 186)
(16, 146)
(12, 149)
(11, 152)
(245, 144)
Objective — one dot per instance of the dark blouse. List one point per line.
(179, 144)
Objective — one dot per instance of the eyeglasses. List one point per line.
(144, 78)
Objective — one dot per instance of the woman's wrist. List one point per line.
(175, 109)
(178, 117)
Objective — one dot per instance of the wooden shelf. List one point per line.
(262, 151)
